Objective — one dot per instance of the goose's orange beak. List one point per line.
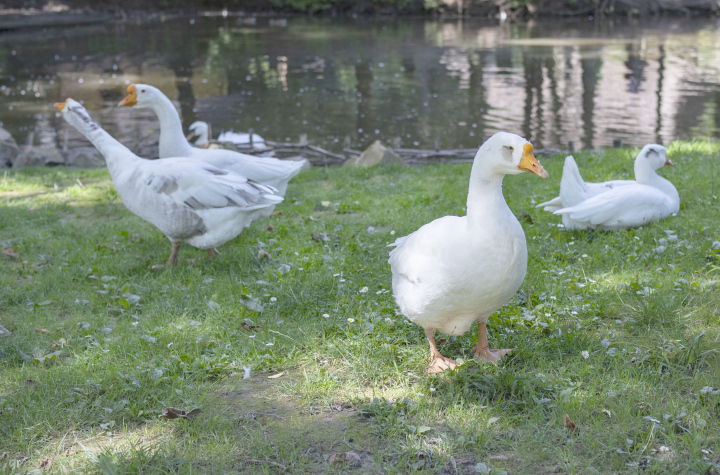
(61, 105)
(131, 99)
(529, 163)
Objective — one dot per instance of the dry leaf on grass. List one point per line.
(174, 413)
(276, 213)
(250, 327)
(262, 254)
(59, 343)
(350, 458)
(320, 237)
(276, 376)
(11, 252)
(41, 330)
(569, 424)
(607, 412)
(45, 464)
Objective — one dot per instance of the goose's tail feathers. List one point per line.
(573, 189)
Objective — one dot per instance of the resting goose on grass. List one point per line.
(265, 170)
(201, 130)
(460, 269)
(199, 136)
(189, 201)
(616, 204)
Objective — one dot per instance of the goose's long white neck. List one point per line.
(172, 140)
(485, 197)
(648, 176)
(116, 155)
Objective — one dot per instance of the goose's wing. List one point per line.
(426, 249)
(202, 186)
(266, 170)
(627, 205)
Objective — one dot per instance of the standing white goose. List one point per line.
(457, 270)
(616, 204)
(189, 201)
(265, 170)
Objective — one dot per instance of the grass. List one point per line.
(101, 343)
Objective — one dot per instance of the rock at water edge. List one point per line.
(376, 154)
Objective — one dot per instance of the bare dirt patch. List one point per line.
(322, 435)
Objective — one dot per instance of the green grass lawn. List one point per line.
(101, 343)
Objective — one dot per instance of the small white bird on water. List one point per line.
(200, 131)
(188, 200)
(457, 270)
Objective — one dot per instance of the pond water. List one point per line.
(425, 82)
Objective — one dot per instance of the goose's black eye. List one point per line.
(142, 90)
(511, 148)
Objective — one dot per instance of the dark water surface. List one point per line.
(454, 82)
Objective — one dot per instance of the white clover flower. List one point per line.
(273, 299)
(363, 290)
(135, 324)
(548, 315)
(326, 315)
(351, 320)
(663, 449)
(388, 319)
(269, 344)
(392, 233)
(342, 280)
(379, 292)
(585, 354)
(432, 390)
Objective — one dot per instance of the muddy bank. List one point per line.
(39, 13)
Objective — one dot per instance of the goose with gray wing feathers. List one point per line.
(173, 143)
(188, 200)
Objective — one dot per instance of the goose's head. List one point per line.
(76, 115)
(509, 154)
(200, 130)
(142, 96)
(653, 156)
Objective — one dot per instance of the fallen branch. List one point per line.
(325, 152)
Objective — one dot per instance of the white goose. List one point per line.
(457, 270)
(265, 170)
(201, 130)
(616, 204)
(189, 201)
